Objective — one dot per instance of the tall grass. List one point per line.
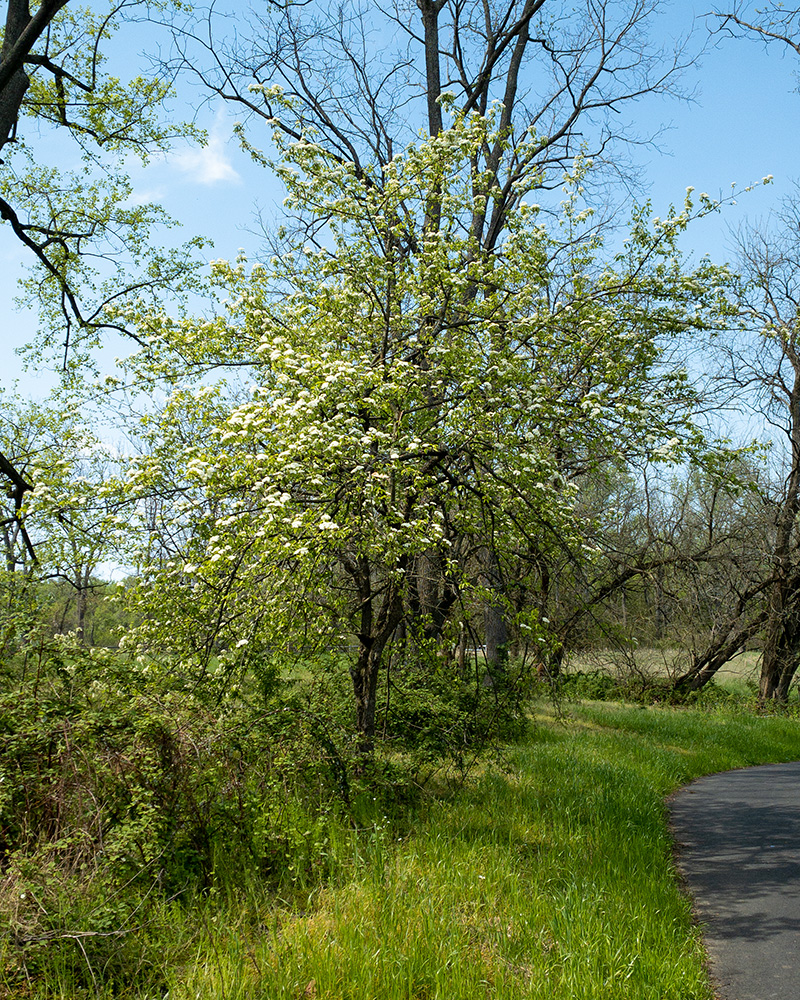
(552, 878)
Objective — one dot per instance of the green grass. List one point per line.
(551, 876)
(553, 879)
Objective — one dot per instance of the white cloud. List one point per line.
(160, 181)
(147, 196)
(208, 164)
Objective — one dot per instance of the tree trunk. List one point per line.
(706, 664)
(431, 596)
(81, 604)
(660, 612)
(495, 627)
(779, 661)
(433, 88)
(379, 619)
(365, 686)
(496, 634)
(774, 682)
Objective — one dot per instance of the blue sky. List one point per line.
(740, 127)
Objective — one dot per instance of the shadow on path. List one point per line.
(738, 847)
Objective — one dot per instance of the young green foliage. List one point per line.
(415, 412)
(89, 242)
(67, 526)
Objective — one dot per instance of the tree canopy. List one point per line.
(416, 412)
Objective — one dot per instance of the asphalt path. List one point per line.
(738, 847)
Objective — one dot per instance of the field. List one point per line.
(739, 676)
(550, 877)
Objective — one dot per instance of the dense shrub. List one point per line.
(120, 797)
(131, 794)
(439, 719)
(595, 685)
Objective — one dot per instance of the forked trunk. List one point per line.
(780, 658)
(365, 686)
(775, 687)
(381, 613)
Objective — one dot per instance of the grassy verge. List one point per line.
(550, 877)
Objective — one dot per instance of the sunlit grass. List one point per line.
(734, 676)
(553, 878)
(549, 875)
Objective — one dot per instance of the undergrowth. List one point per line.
(649, 689)
(154, 845)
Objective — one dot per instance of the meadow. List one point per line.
(553, 876)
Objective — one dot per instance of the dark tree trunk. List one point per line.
(381, 613)
(81, 604)
(496, 633)
(365, 686)
(364, 673)
(780, 660)
(774, 683)
(494, 620)
(781, 655)
(429, 9)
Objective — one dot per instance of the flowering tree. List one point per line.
(412, 400)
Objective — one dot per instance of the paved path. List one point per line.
(738, 837)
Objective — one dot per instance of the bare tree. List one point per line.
(760, 375)
(770, 374)
(770, 22)
(364, 78)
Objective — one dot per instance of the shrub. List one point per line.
(121, 797)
